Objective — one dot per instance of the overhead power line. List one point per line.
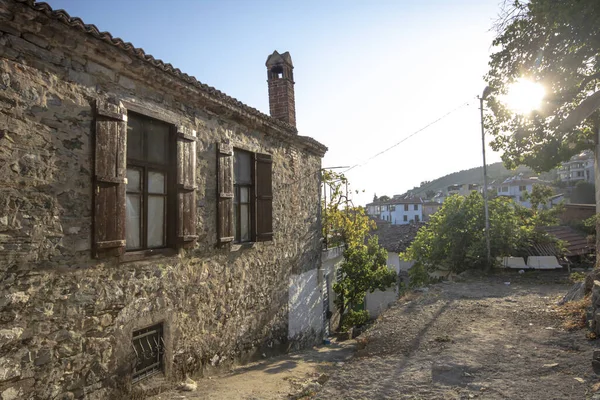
(408, 137)
(385, 150)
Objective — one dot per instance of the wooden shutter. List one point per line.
(110, 179)
(225, 193)
(186, 187)
(264, 197)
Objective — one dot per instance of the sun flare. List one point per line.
(525, 96)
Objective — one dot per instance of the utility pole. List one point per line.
(485, 94)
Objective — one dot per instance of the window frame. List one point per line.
(405, 218)
(170, 195)
(416, 207)
(406, 207)
(251, 200)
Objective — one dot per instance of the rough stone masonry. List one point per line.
(66, 318)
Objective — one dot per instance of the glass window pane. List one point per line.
(156, 182)
(132, 226)
(156, 221)
(241, 166)
(156, 135)
(133, 180)
(134, 138)
(244, 195)
(244, 223)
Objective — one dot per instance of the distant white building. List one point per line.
(516, 187)
(578, 168)
(397, 211)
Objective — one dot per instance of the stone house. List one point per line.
(150, 225)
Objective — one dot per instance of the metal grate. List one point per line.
(148, 346)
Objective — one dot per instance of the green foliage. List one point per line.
(454, 238)
(342, 222)
(384, 198)
(418, 276)
(354, 318)
(430, 194)
(364, 268)
(554, 43)
(577, 277)
(539, 196)
(584, 193)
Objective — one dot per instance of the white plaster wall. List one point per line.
(379, 301)
(305, 305)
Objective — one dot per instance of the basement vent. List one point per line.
(148, 346)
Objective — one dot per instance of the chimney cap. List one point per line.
(278, 59)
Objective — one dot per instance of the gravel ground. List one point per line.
(481, 338)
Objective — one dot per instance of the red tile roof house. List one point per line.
(151, 225)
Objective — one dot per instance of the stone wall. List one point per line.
(66, 319)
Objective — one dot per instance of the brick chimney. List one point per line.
(281, 87)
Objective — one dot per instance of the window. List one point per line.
(245, 210)
(149, 350)
(242, 195)
(405, 217)
(416, 207)
(148, 180)
(522, 188)
(406, 208)
(416, 218)
(144, 183)
(392, 208)
(504, 189)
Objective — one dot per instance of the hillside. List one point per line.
(495, 172)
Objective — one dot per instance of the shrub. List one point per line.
(354, 318)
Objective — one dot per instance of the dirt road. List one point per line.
(479, 339)
(482, 338)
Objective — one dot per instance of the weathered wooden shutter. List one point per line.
(264, 197)
(225, 193)
(110, 179)
(186, 187)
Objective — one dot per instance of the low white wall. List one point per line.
(378, 301)
(305, 306)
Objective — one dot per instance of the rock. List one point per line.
(10, 394)
(596, 366)
(577, 292)
(188, 386)
(322, 379)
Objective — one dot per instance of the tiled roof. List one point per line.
(92, 30)
(397, 238)
(576, 242)
(416, 200)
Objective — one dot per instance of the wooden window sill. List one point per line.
(149, 254)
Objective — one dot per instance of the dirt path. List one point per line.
(478, 339)
(285, 377)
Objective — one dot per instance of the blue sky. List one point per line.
(368, 73)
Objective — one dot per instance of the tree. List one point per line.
(584, 193)
(539, 196)
(556, 43)
(430, 194)
(365, 263)
(454, 238)
(384, 198)
(364, 269)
